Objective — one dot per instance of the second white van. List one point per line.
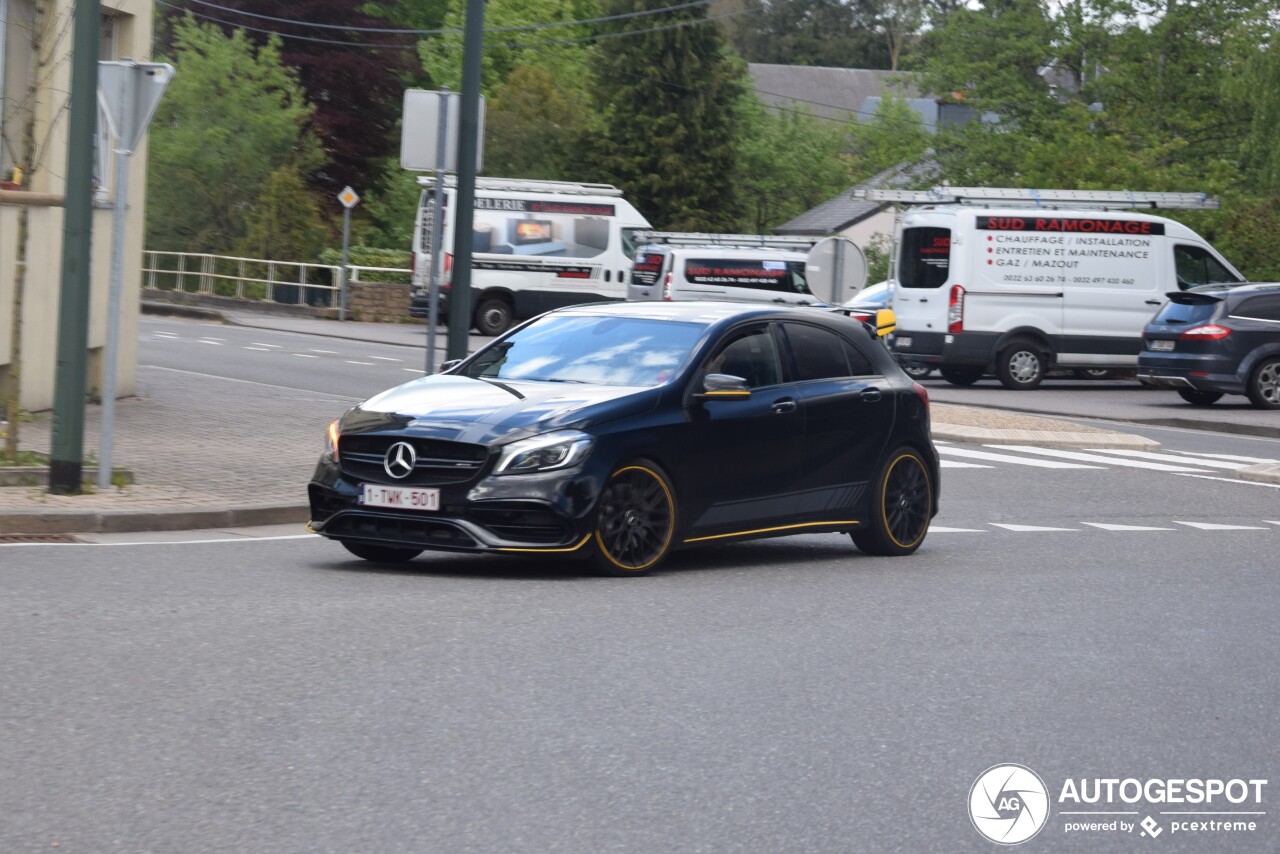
(683, 268)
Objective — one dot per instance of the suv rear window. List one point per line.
(925, 259)
(1187, 310)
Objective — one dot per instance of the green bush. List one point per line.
(369, 256)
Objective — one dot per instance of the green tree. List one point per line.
(232, 116)
(286, 221)
(533, 125)
(668, 117)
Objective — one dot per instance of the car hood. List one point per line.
(463, 409)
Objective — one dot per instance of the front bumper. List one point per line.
(548, 512)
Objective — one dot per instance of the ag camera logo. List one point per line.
(1008, 804)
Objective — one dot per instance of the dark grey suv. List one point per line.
(1215, 340)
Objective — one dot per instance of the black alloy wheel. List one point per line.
(900, 507)
(1021, 366)
(1264, 385)
(493, 316)
(961, 376)
(1198, 398)
(381, 554)
(635, 522)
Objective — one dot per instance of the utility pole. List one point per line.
(468, 131)
(66, 453)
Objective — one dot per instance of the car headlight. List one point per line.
(331, 440)
(558, 450)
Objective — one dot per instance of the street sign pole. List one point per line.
(66, 448)
(437, 232)
(349, 199)
(129, 92)
(464, 213)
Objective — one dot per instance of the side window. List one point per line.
(1259, 308)
(859, 364)
(753, 356)
(798, 282)
(1195, 266)
(819, 354)
(925, 258)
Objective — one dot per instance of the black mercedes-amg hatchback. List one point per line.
(1214, 340)
(619, 432)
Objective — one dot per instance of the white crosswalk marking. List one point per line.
(1211, 526)
(1029, 529)
(956, 464)
(938, 529)
(1094, 458)
(1149, 455)
(1109, 527)
(1234, 457)
(951, 450)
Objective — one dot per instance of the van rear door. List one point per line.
(923, 270)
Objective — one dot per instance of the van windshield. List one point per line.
(925, 258)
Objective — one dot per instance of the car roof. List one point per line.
(707, 312)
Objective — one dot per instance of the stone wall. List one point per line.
(378, 302)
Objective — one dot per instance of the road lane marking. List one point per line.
(170, 542)
(1233, 480)
(262, 349)
(386, 359)
(249, 382)
(956, 464)
(1029, 529)
(353, 362)
(1005, 458)
(304, 355)
(326, 352)
(1149, 455)
(1092, 458)
(1213, 526)
(1109, 527)
(1234, 457)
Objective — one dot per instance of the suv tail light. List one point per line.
(666, 288)
(1209, 331)
(955, 310)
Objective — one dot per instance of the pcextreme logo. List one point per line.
(1009, 804)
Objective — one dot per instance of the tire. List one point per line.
(900, 507)
(635, 521)
(1021, 366)
(917, 371)
(1198, 398)
(381, 554)
(961, 376)
(1264, 385)
(493, 316)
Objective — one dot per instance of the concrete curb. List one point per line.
(132, 521)
(1049, 438)
(1261, 473)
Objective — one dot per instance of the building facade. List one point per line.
(35, 85)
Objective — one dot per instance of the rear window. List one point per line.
(1187, 311)
(925, 258)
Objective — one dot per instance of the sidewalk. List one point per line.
(198, 463)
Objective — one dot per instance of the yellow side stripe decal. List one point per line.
(568, 549)
(778, 528)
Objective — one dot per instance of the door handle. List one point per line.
(870, 395)
(783, 406)
(1152, 302)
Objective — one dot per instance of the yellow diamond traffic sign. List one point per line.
(349, 197)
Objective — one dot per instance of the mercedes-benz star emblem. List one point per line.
(400, 460)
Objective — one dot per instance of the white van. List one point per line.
(734, 267)
(537, 245)
(1021, 290)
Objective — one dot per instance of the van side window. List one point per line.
(1259, 308)
(1195, 266)
(925, 258)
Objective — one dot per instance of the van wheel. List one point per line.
(1264, 385)
(961, 376)
(493, 316)
(916, 371)
(1020, 366)
(1198, 398)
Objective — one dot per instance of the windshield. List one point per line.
(624, 351)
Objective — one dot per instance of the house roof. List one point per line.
(828, 92)
(840, 212)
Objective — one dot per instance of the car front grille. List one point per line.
(413, 531)
(521, 523)
(438, 461)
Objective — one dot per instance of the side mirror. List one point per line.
(723, 387)
(448, 366)
(886, 322)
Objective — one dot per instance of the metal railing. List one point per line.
(256, 279)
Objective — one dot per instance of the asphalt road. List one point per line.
(782, 696)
